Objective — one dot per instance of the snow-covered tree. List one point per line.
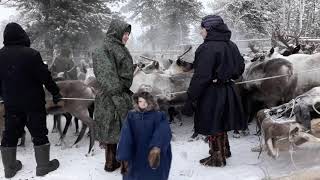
(166, 23)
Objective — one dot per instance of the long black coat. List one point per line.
(218, 106)
(23, 73)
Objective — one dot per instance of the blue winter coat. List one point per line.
(141, 132)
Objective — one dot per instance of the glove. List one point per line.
(188, 108)
(56, 98)
(124, 167)
(154, 157)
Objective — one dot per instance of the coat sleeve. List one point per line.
(240, 64)
(0, 89)
(42, 73)
(125, 70)
(162, 134)
(105, 71)
(126, 142)
(202, 76)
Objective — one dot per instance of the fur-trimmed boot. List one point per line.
(227, 151)
(211, 143)
(10, 163)
(44, 165)
(111, 163)
(217, 156)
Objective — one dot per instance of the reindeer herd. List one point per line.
(168, 81)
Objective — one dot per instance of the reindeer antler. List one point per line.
(283, 38)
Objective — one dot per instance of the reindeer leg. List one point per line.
(180, 118)
(88, 121)
(65, 129)
(81, 134)
(171, 112)
(91, 112)
(56, 118)
(22, 140)
(76, 122)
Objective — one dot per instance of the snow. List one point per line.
(243, 164)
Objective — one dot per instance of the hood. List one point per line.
(219, 33)
(216, 28)
(117, 28)
(15, 35)
(152, 104)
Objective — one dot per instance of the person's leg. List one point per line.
(227, 151)
(14, 128)
(217, 155)
(37, 126)
(211, 143)
(110, 154)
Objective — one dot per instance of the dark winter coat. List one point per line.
(65, 65)
(141, 132)
(218, 106)
(22, 72)
(113, 69)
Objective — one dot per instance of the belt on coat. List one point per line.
(216, 81)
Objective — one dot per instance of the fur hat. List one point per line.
(152, 104)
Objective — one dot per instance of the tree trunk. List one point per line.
(301, 9)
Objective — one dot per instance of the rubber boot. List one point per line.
(111, 163)
(10, 163)
(44, 165)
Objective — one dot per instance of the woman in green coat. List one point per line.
(113, 68)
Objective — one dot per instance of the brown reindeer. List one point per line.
(77, 108)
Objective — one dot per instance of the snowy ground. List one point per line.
(243, 164)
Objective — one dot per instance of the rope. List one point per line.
(279, 76)
(78, 99)
(260, 79)
(74, 99)
(242, 82)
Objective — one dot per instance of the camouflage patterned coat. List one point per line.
(113, 68)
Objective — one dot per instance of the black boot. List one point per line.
(227, 151)
(111, 163)
(10, 163)
(44, 165)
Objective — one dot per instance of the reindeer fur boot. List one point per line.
(111, 163)
(227, 151)
(217, 155)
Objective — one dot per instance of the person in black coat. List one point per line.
(217, 64)
(22, 76)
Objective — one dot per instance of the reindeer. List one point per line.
(77, 108)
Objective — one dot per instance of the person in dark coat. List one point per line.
(22, 76)
(217, 64)
(144, 149)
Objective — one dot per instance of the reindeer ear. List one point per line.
(157, 65)
(296, 49)
(271, 52)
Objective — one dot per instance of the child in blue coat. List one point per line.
(144, 148)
